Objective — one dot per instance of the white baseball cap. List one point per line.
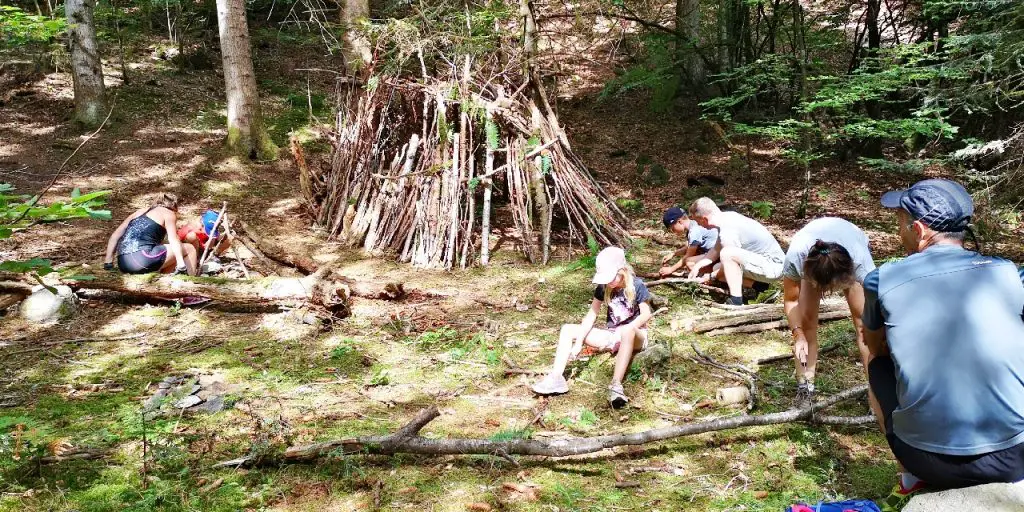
(608, 264)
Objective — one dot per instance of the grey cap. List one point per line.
(942, 205)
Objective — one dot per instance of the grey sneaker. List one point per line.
(551, 385)
(804, 396)
(617, 397)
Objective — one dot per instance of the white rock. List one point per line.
(988, 497)
(44, 307)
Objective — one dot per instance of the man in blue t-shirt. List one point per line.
(946, 340)
(699, 241)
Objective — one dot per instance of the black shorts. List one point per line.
(144, 261)
(937, 469)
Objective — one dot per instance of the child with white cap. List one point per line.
(625, 333)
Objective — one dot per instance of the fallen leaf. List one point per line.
(493, 422)
(703, 404)
(760, 494)
(618, 477)
(407, 490)
(480, 507)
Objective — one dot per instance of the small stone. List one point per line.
(187, 402)
(214, 405)
(46, 307)
(154, 401)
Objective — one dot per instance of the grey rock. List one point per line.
(154, 401)
(215, 404)
(988, 497)
(45, 307)
(187, 402)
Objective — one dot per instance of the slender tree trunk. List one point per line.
(688, 27)
(86, 67)
(873, 145)
(246, 133)
(358, 53)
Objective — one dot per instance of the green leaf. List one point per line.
(24, 266)
(82, 277)
(99, 214)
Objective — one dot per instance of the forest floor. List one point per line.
(80, 385)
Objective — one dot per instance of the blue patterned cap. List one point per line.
(942, 205)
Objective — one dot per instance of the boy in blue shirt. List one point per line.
(699, 241)
(945, 338)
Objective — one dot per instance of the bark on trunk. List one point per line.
(86, 67)
(688, 27)
(357, 47)
(246, 133)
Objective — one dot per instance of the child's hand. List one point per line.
(666, 270)
(665, 259)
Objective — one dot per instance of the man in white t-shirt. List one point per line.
(747, 251)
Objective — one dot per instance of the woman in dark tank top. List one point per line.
(138, 241)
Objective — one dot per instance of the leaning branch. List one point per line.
(407, 440)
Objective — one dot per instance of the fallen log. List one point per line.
(279, 255)
(408, 440)
(785, 357)
(777, 324)
(233, 294)
(688, 282)
(767, 313)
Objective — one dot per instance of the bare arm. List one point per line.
(791, 303)
(644, 316)
(585, 326)
(876, 342)
(855, 299)
(170, 224)
(117, 234)
(709, 259)
(810, 301)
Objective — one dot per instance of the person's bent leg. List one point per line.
(564, 348)
(191, 259)
(731, 259)
(624, 356)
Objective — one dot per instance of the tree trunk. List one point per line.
(358, 53)
(873, 145)
(688, 27)
(246, 133)
(86, 67)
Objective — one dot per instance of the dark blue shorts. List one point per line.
(144, 261)
(940, 470)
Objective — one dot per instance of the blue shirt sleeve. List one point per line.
(642, 293)
(873, 318)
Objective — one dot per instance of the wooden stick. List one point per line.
(784, 357)
(755, 316)
(407, 440)
(234, 251)
(213, 234)
(778, 324)
(687, 282)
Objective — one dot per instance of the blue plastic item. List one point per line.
(836, 506)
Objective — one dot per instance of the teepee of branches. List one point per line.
(418, 162)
